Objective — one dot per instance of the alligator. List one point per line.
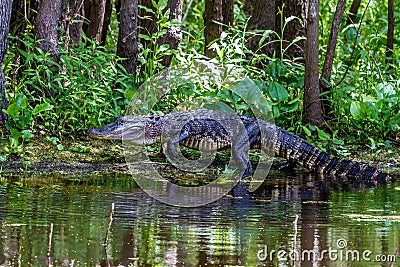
(207, 130)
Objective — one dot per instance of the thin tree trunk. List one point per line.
(127, 38)
(262, 17)
(106, 22)
(351, 17)
(174, 34)
(212, 16)
(94, 11)
(330, 55)
(46, 26)
(390, 32)
(76, 27)
(5, 14)
(312, 103)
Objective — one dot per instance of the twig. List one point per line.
(187, 11)
(49, 245)
(379, 70)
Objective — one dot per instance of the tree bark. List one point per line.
(390, 32)
(127, 38)
(262, 17)
(174, 34)
(227, 13)
(147, 21)
(293, 29)
(213, 13)
(94, 11)
(106, 22)
(72, 20)
(5, 14)
(312, 103)
(46, 26)
(330, 55)
(351, 17)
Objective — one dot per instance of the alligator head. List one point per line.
(126, 128)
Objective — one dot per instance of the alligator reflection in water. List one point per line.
(226, 232)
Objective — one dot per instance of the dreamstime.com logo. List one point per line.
(340, 253)
(211, 79)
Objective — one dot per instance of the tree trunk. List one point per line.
(5, 13)
(227, 13)
(127, 38)
(390, 33)
(262, 17)
(147, 21)
(213, 13)
(106, 22)
(71, 20)
(174, 34)
(293, 29)
(46, 26)
(351, 17)
(94, 11)
(312, 103)
(330, 55)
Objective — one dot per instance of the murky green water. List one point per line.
(348, 223)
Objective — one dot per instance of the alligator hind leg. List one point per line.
(240, 150)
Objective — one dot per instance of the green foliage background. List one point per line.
(88, 87)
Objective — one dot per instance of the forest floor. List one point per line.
(86, 156)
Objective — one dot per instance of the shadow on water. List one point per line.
(297, 219)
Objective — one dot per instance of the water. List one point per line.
(287, 222)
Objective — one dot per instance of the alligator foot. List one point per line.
(240, 191)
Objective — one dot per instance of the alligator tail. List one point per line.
(297, 150)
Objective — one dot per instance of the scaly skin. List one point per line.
(207, 130)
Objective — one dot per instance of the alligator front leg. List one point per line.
(170, 147)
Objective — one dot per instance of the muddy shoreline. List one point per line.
(90, 157)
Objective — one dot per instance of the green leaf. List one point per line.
(3, 158)
(145, 37)
(26, 134)
(12, 110)
(276, 69)
(277, 91)
(337, 141)
(15, 133)
(355, 109)
(323, 135)
(22, 102)
(42, 107)
(265, 35)
(60, 147)
(306, 131)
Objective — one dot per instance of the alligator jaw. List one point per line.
(124, 128)
(110, 131)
